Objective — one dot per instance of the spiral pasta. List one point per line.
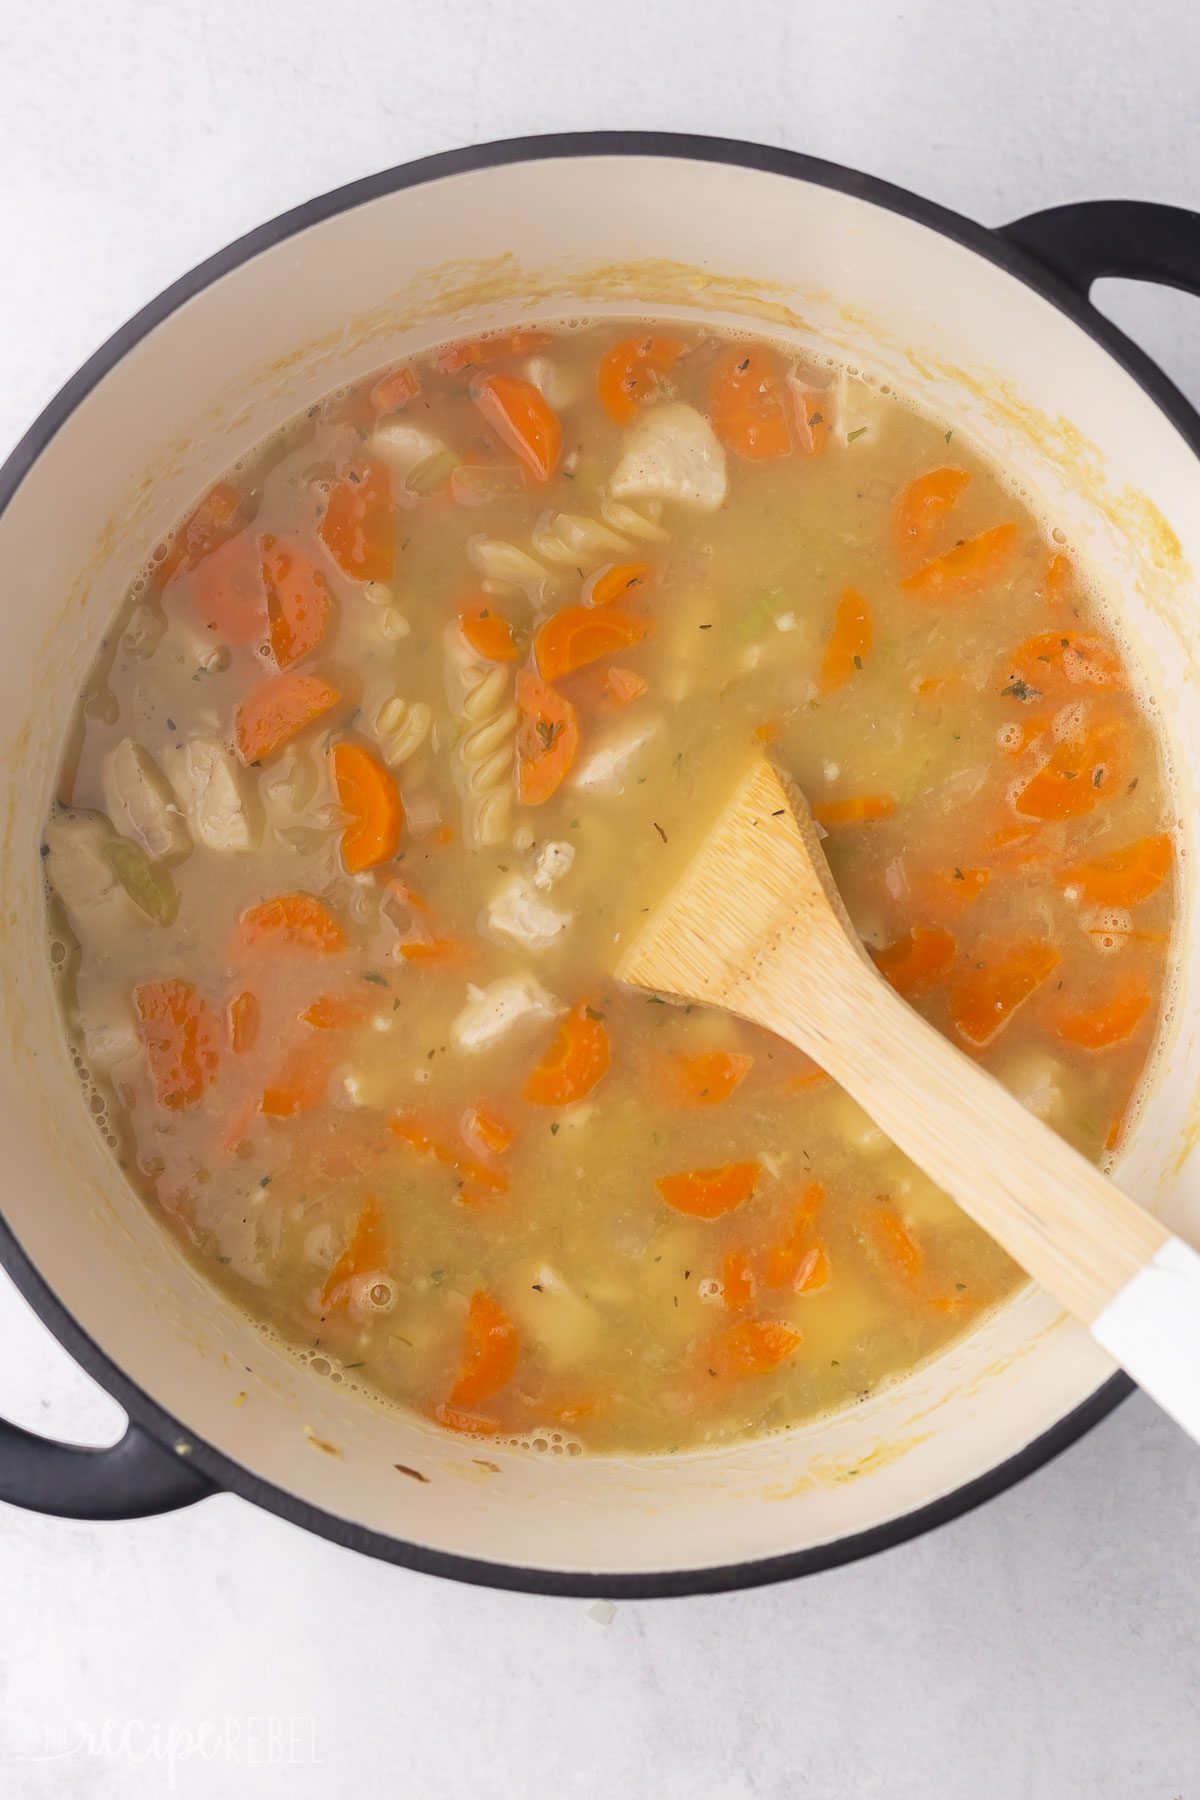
(482, 698)
(402, 727)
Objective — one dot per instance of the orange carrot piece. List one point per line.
(438, 1140)
(547, 739)
(737, 1280)
(805, 1074)
(277, 710)
(707, 1193)
(917, 960)
(210, 522)
(810, 418)
(488, 1130)
(300, 1083)
(368, 792)
(709, 1079)
(849, 643)
(1054, 661)
(359, 527)
(245, 1019)
(862, 810)
(180, 1035)
(967, 568)
(455, 1418)
(522, 419)
(1059, 584)
(631, 372)
(394, 391)
(922, 506)
(442, 952)
(298, 601)
(339, 1012)
(1079, 775)
(746, 405)
(751, 1347)
(291, 922)
(995, 983)
(813, 1272)
(579, 635)
(365, 1254)
(894, 1244)
(787, 1256)
(468, 353)
(490, 1352)
(487, 631)
(1126, 876)
(228, 592)
(614, 582)
(622, 685)
(576, 1061)
(948, 891)
(1114, 1021)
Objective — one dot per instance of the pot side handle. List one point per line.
(131, 1479)
(1137, 239)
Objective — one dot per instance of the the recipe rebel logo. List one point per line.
(258, 1740)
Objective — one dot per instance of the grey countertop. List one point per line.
(1044, 1647)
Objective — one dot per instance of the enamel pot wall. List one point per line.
(992, 330)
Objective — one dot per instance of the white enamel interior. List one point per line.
(902, 301)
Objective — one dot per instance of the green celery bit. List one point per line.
(147, 883)
(430, 474)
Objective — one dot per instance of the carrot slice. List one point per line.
(745, 403)
(291, 922)
(489, 634)
(860, 811)
(614, 582)
(1054, 661)
(1078, 776)
(813, 1272)
(1059, 584)
(1125, 877)
(365, 1254)
(394, 391)
(369, 794)
(787, 1256)
(547, 739)
(967, 568)
(922, 506)
(810, 417)
(1112, 1022)
(631, 373)
(751, 1347)
(298, 601)
(442, 952)
(245, 1019)
(179, 1032)
(359, 527)
(522, 419)
(893, 1243)
(228, 592)
(300, 1083)
(579, 635)
(707, 1193)
(339, 1012)
(277, 710)
(847, 648)
(576, 1061)
(622, 685)
(490, 1353)
(917, 960)
(439, 1141)
(707, 1080)
(737, 1280)
(488, 1129)
(211, 521)
(944, 892)
(469, 352)
(995, 983)
(455, 1418)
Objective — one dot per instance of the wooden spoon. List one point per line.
(757, 926)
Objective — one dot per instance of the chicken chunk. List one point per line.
(517, 912)
(141, 803)
(553, 862)
(76, 866)
(405, 447)
(209, 784)
(606, 769)
(673, 453)
(492, 1011)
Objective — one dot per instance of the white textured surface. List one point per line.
(1044, 1648)
(1152, 1328)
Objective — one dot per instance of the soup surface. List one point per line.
(408, 726)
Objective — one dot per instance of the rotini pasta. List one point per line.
(481, 695)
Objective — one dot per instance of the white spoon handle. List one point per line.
(1152, 1328)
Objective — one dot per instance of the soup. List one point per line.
(396, 741)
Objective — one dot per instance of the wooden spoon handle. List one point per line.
(1110, 1263)
(1053, 1212)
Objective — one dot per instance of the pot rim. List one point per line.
(222, 1471)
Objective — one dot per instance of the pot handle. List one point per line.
(130, 1479)
(1138, 239)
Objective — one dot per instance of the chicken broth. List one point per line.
(402, 733)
